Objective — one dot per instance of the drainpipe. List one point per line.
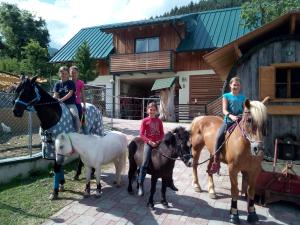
(113, 83)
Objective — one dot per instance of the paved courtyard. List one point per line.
(117, 207)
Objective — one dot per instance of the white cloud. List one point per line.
(65, 18)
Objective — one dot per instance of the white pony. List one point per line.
(94, 151)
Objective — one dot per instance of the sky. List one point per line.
(65, 18)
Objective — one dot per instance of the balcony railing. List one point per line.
(142, 62)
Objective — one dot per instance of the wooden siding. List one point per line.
(186, 61)
(281, 51)
(142, 62)
(205, 88)
(124, 39)
(215, 107)
(102, 67)
(267, 82)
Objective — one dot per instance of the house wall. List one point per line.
(280, 51)
(124, 39)
(189, 61)
(102, 67)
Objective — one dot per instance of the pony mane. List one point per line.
(259, 112)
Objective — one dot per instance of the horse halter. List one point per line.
(72, 151)
(29, 105)
(245, 121)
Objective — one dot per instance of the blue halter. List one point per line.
(29, 105)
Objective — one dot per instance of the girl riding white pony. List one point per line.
(94, 151)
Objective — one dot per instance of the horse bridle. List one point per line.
(29, 105)
(34, 102)
(72, 152)
(172, 158)
(244, 132)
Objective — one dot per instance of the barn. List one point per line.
(268, 62)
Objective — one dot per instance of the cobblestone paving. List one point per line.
(187, 207)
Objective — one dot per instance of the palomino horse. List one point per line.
(236, 152)
(94, 151)
(175, 144)
(55, 118)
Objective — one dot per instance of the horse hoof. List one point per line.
(212, 196)
(234, 219)
(53, 196)
(98, 194)
(150, 205)
(86, 194)
(165, 204)
(252, 218)
(197, 189)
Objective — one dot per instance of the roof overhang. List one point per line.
(222, 59)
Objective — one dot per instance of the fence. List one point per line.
(20, 136)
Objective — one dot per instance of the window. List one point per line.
(287, 83)
(280, 81)
(147, 45)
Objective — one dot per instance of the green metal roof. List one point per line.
(100, 43)
(144, 22)
(213, 29)
(205, 30)
(163, 83)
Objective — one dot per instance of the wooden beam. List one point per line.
(283, 109)
(293, 24)
(286, 65)
(237, 50)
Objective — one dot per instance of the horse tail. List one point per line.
(132, 148)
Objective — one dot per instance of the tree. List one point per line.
(256, 13)
(35, 59)
(84, 63)
(18, 27)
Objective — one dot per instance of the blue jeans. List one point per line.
(145, 164)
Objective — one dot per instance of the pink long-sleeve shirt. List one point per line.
(152, 129)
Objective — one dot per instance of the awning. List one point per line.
(163, 83)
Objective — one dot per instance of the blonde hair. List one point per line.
(152, 104)
(74, 68)
(63, 68)
(235, 79)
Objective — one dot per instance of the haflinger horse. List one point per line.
(94, 151)
(55, 118)
(175, 144)
(236, 152)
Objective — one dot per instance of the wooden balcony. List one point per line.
(142, 62)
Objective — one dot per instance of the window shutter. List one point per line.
(267, 82)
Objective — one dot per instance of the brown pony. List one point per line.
(242, 151)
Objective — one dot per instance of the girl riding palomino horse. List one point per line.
(237, 149)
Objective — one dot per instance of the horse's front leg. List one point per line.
(163, 192)
(195, 183)
(152, 191)
(98, 181)
(58, 180)
(87, 191)
(234, 215)
(252, 216)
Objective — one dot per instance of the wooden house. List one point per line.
(268, 62)
(131, 56)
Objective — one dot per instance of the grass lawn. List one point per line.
(25, 201)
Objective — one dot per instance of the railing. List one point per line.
(187, 112)
(142, 62)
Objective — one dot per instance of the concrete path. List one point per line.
(117, 207)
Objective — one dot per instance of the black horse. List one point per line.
(55, 118)
(175, 144)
